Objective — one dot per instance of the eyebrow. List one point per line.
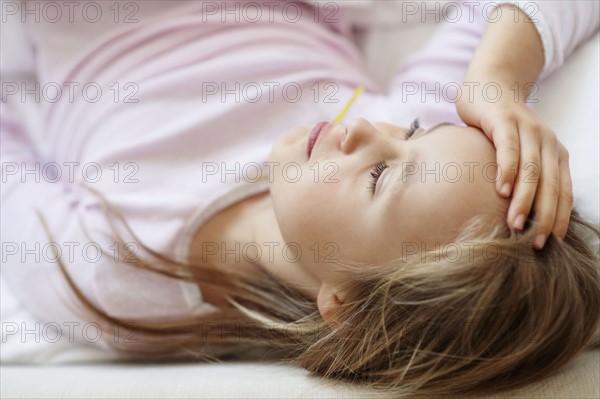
(436, 126)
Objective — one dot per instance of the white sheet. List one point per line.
(242, 380)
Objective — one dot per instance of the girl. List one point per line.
(164, 187)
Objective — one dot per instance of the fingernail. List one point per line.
(539, 241)
(519, 222)
(505, 189)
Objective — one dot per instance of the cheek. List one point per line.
(313, 203)
(289, 146)
(295, 204)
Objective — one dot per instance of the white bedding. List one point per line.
(569, 101)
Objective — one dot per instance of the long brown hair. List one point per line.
(484, 314)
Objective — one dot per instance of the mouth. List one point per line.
(314, 135)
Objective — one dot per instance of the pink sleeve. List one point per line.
(562, 25)
(427, 83)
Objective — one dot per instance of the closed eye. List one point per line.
(378, 169)
(414, 126)
(375, 175)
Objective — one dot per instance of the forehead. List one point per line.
(450, 154)
(453, 179)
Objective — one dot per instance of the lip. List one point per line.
(314, 136)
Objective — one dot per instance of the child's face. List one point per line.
(434, 182)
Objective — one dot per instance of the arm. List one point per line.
(561, 26)
(533, 165)
(510, 51)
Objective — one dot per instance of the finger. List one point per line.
(546, 198)
(506, 141)
(565, 199)
(526, 183)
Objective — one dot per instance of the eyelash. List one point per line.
(381, 166)
(413, 128)
(375, 174)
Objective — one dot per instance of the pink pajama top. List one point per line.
(169, 109)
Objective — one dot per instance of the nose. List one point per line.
(359, 133)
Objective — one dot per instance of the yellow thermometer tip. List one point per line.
(357, 92)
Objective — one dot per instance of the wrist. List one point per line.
(483, 97)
